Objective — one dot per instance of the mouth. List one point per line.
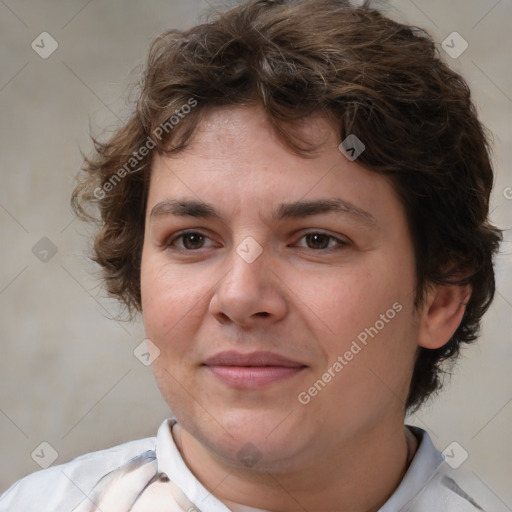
(252, 371)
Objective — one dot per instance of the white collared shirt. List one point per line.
(149, 475)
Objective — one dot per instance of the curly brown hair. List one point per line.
(374, 77)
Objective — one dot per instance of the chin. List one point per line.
(249, 438)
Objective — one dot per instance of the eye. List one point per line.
(191, 240)
(318, 240)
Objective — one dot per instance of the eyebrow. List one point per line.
(297, 209)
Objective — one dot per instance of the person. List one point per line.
(298, 208)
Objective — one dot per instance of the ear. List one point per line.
(442, 313)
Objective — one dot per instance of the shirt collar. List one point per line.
(422, 469)
(172, 464)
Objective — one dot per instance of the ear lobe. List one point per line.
(442, 313)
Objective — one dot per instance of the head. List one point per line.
(227, 112)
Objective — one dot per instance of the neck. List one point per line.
(358, 476)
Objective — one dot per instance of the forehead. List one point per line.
(236, 159)
(249, 124)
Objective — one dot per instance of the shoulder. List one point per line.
(448, 490)
(67, 484)
(431, 484)
(444, 489)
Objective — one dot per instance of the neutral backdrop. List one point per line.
(68, 374)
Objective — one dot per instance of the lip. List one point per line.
(253, 370)
(233, 358)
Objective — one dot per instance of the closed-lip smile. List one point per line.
(251, 370)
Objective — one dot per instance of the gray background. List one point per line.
(67, 370)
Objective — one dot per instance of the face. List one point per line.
(279, 291)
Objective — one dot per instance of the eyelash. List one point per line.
(169, 243)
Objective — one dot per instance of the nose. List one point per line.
(250, 293)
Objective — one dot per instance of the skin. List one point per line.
(305, 299)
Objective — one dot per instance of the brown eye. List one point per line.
(190, 241)
(319, 241)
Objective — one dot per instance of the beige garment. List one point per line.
(120, 491)
(163, 496)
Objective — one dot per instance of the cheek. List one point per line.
(168, 297)
(347, 300)
(371, 306)
(171, 312)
